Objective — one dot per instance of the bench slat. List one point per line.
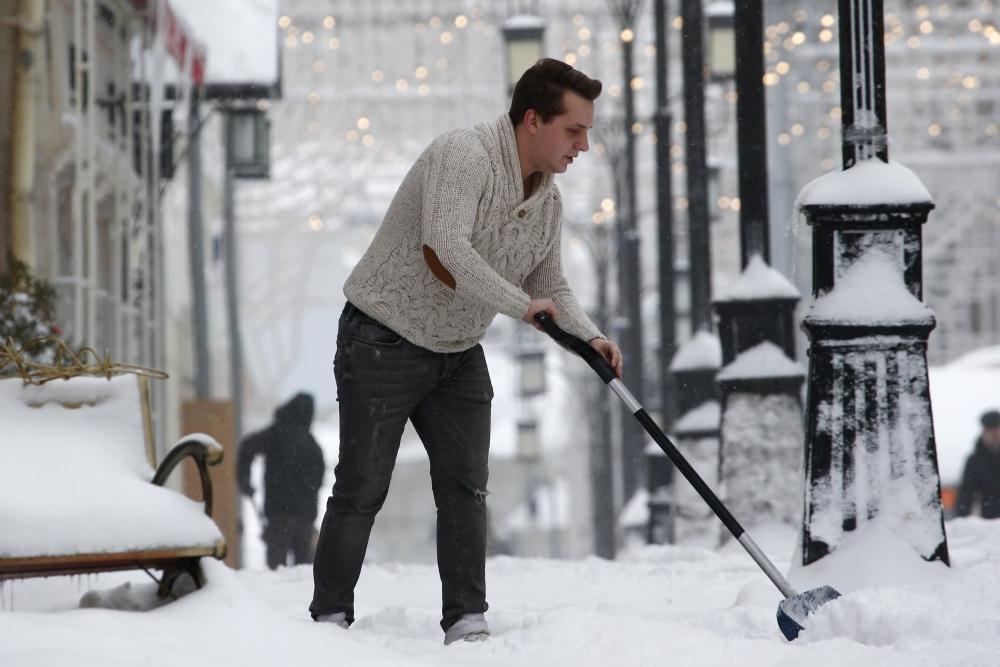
(42, 566)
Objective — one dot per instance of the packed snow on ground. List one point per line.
(656, 605)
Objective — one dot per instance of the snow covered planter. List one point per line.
(870, 448)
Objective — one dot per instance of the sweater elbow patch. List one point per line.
(437, 268)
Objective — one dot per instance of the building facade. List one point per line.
(82, 170)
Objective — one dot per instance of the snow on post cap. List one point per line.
(867, 183)
(523, 22)
(703, 350)
(636, 510)
(705, 417)
(765, 360)
(760, 281)
(720, 8)
(215, 450)
(871, 291)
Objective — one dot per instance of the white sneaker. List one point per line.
(470, 628)
(339, 618)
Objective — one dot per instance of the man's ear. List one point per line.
(532, 120)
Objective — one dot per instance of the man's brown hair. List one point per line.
(541, 88)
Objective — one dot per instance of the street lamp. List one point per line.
(247, 143)
(524, 41)
(247, 139)
(527, 442)
(532, 375)
(721, 41)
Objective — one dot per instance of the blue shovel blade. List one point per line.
(792, 611)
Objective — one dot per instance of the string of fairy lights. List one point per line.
(800, 55)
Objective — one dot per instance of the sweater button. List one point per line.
(522, 213)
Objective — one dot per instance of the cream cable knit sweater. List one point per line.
(464, 198)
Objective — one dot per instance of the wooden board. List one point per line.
(216, 419)
(34, 566)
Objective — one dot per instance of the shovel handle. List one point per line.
(574, 344)
(597, 362)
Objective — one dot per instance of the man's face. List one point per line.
(991, 436)
(559, 141)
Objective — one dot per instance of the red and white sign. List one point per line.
(180, 44)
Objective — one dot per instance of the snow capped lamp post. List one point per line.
(666, 280)
(691, 376)
(761, 427)
(626, 16)
(870, 451)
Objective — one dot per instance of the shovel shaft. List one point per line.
(604, 370)
(703, 489)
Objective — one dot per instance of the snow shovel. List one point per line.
(792, 611)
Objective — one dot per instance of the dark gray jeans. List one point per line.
(382, 381)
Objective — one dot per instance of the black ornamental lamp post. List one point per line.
(869, 447)
(625, 13)
(699, 241)
(760, 430)
(659, 470)
(690, 385)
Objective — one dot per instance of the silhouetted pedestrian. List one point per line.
(981, 479)
(293, 475)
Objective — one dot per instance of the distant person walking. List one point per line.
(293, 475)
(981, 480)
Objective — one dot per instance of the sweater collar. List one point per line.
(503, 131)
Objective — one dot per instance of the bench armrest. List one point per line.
(204, 450)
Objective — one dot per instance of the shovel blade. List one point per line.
(792, 611)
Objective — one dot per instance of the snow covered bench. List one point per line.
(80, 490)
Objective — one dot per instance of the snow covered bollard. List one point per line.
(693, 367)
(870, 448)
(760, 455)
(760, 459)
